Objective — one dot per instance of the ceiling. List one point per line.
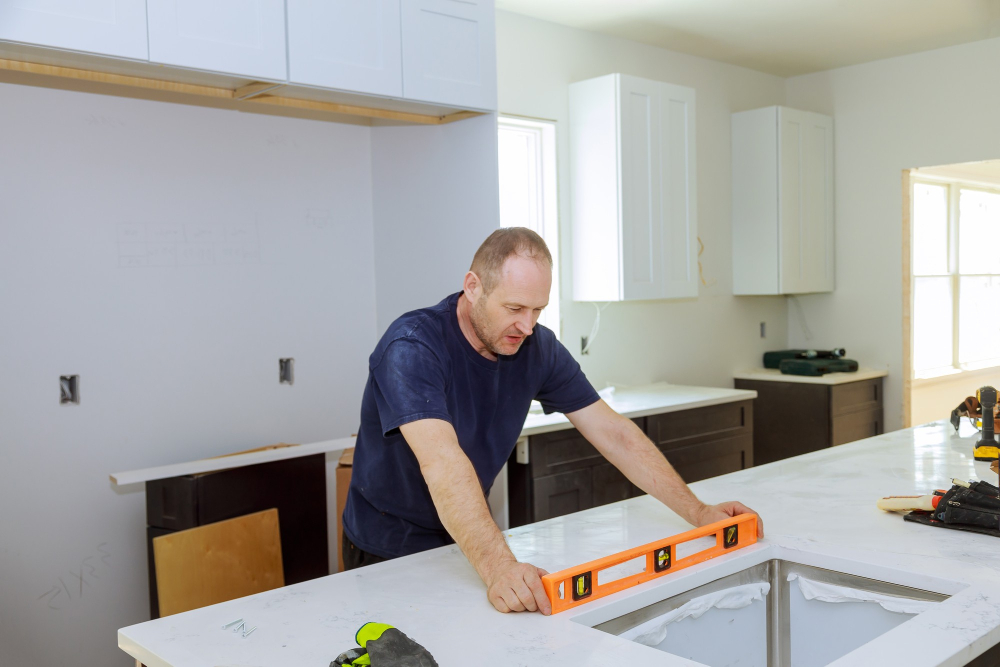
(781, 37)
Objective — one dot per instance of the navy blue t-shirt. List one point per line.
(425, 368)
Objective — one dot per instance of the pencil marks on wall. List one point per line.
(71, 585)
(142, 245)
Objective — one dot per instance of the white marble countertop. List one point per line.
(774, 375)
(650, 399)
(818, 509)
(633, 402)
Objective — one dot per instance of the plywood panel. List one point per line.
(218, 562)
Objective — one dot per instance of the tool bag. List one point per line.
(975, 510)
(817, 367)
(774, 358)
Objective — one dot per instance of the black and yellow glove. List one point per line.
(384, 646)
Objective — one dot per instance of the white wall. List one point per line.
(700, 341)
(931, 108)
(178, 359)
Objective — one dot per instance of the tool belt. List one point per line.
(972, 409)
(975, 509)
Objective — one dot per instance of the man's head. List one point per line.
(508, 286)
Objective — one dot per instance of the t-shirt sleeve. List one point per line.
(566, 389)
(410, 384)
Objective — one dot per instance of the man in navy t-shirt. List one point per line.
(448, 391)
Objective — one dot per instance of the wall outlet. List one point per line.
(69, 389)
(286, 371)
(763, 329)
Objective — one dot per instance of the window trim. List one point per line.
(549, 194)
(953, 189)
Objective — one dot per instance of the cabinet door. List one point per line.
(346, 44)
(107, 27)
(449, 52)
(805, 201)
(610, 485)
(241, 37)
(680, 219)
(712, 459)
(564, 493)
(641, 193)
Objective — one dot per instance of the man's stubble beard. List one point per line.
(480, 322)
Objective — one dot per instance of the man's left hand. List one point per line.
(712, 513)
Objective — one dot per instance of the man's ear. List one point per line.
(472, 286)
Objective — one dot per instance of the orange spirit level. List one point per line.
(578, 585)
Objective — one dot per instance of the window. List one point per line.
(527, 151)
(956, 277)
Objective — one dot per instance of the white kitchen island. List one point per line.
(818, 509)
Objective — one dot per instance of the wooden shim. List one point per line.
(254, 89)
(218, 562)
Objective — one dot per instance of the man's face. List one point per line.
(506, 316)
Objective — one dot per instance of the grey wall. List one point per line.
(169, 255)
(435, 200)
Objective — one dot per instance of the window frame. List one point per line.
(548, 197)
(953, 188)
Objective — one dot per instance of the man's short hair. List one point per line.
(502, 244)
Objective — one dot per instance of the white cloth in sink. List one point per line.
(653, 632)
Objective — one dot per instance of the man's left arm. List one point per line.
(628, 449)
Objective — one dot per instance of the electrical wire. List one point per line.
(594, 329)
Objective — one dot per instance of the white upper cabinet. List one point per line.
(346, 44)
(782, 202)
(449, 52)
(632, 145)
(106, 27)
(245, 38)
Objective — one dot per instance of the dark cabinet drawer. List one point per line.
(566, 474)
(712, 459)
(561, 451)
(564, 493)
(856, 426)
(687, 427)
(863, 396)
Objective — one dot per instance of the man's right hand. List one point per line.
(516, 586)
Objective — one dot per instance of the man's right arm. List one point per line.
(458, 498)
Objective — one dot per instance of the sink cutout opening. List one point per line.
(776, 613)
(622, 570)
(692, 547)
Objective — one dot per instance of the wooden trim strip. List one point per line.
(348, 109)
(117, 79)
(907, 305)
(246, 97)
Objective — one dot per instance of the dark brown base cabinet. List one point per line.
(566, 474)
(795, 418)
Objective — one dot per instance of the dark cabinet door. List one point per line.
(564, 493)
(712, 459)
(610, 485)
(790, 418)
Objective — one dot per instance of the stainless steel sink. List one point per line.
(783, 627)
